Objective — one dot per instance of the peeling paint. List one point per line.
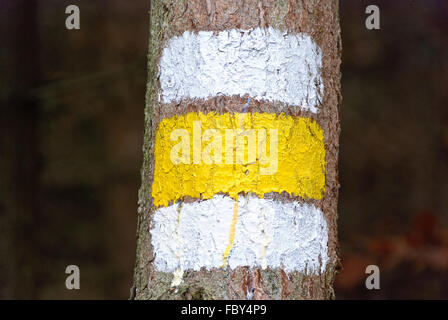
(265, 63)
(297, 235)
(299, 157)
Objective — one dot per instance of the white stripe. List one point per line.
(268, 233)
(267, 64)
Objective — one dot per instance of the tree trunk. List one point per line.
(254, 219)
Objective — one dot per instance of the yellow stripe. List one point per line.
(231, 235)
(207, 162)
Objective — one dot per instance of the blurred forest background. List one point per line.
(71, 124)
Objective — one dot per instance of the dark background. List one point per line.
(71, 123)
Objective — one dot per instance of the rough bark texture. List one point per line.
(168, 18)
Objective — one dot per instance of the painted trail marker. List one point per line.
(227, 163)
(199, 155)
(266, 233)
(267, 64)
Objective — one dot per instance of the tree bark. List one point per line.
(316, 19)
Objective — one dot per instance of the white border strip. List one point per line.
(267, 64)
(268, 233)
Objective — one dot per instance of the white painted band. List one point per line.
(267, 64)
(268, 233)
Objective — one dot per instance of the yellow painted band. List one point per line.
(199, 155)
